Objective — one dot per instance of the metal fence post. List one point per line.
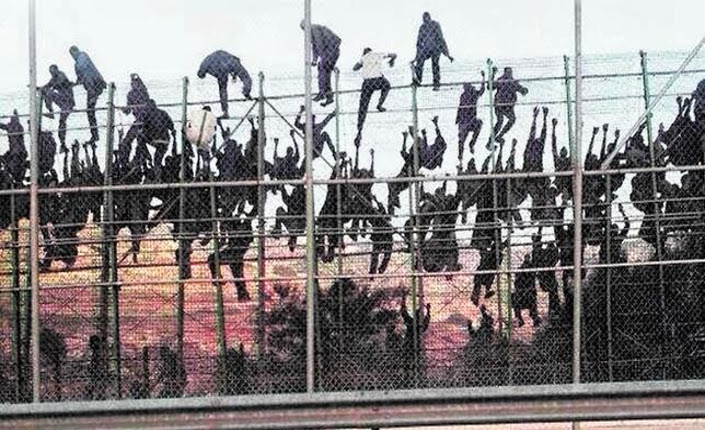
(16, 297)
(608, 275)
(310, 246)
(180, 291)
(577, 197)
(110, 233)
(496, 227)
(219, 309)
(261, 239)
(656, 206)
(34, 197)
(414, 250)
(568, 102)
(339, 204)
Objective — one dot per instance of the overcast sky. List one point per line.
(166, 39)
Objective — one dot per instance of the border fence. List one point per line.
(230, 268)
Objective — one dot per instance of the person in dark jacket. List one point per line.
(467, 119)
(326, 50)
(138, 105)
(430, 44)
(220, 64)
(91, 79)
(59, 91)
(505, 99)
(15, 159)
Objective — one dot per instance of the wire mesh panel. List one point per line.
(173, 218)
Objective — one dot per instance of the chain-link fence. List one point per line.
(175, 248)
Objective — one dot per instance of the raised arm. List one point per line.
(554, 144)
(372, 162)
(595, 130)
(327, 119)
(532, 132)
(297, 154)
(297, 122)
(543, 128)
(605, 127)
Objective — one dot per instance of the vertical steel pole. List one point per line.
(414, 249)
(180, 291)
(568, 102)
(508, 266)
(261, 239)
(577, 196)
(16, 297)
(608, 280)
(495, 220)
(219, 308)
(34, 197)
(112, 244)
(339, 205)
(655, 205)
(310, 246)
(338, 190)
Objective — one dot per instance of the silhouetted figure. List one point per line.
(52, 347)
(561, 163)
(233, 372)
(15, 159)
(617, 237)
(506, 88)
(699, 101)
(382, 238)
(370, 67)
(137, 105)
(221, 64)
(545, 256)
(98, 376)
(171, 374)
(293, 216)
(430, 43)
(320, 137)
(524, 295)
(91, 79)
(431, 156)
(287, 167)
(326, 50)
(488, 263)
(467, 119)
(59, 91)
(239, 238)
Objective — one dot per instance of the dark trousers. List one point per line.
(91, 100)
(326, 65)
(65, 103)
(369, 86)
(421, 58)
(223, 89)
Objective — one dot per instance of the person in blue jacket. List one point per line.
(220, 64)
(88, 75)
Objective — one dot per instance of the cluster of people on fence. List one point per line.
(150, 153)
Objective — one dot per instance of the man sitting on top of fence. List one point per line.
(220, 64)
(370, 66)
(326, 50)
(430, 43)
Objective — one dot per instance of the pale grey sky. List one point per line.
(166, 39)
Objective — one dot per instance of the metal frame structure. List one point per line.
(576, 401)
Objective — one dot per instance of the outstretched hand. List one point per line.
(605, 127)
(595, 130)
(545, 111)
(554, 121)
(536, 111)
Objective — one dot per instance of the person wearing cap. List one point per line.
(326, 50)
(137, 104)
(430, 43)
(59, 91)
(88, 75)
(220, 64)
(370, 67)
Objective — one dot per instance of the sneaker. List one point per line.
(328, 101)
(381, 109)
(319, 97)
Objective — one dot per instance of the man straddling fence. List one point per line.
(91, 79)
(326, 50)
(370, 67)
(220, 64)
(59, 91)
(430, 43)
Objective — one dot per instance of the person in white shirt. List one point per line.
(370, 67)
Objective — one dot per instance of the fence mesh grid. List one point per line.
(173, 226)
